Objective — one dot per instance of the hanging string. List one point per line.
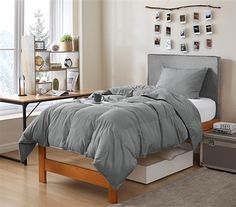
(182, 7)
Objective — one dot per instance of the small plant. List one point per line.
(66, 38)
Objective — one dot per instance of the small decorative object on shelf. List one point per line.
(66, 43)
(55, 84)
(54, 47)
(55, 66)
(22, 86)
(68, 62)
(75, 43)
(39, 45)
(39, 62)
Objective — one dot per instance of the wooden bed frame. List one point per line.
(81, 173)
(156, 62)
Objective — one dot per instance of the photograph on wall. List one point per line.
(157, 41)
(168, 44)
(182, 33)
(182, 19)
(168, 17)
(157, 28)
(183, 47)
(209, 29)
(196, 45)
(196, 29)
(208, 15)
(196, 16)
(168, 30)
(158, 16)
(209, 43)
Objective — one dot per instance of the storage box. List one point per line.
(156, 166)
(218, 151)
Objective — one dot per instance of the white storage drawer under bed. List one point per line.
(162, 164)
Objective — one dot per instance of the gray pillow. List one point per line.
(186, 82)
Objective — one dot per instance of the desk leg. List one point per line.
(24, 123)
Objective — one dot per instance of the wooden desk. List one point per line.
(26, 100)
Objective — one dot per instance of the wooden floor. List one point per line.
(19, 185)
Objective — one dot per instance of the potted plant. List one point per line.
(66, 43)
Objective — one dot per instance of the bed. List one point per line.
(155, 65)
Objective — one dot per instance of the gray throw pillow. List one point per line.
(186, 82)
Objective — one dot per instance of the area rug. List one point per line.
(205, 188)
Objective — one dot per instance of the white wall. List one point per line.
(128, 36)
(11, 131)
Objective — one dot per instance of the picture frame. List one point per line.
(196, 45)
(157, 41)
(168, 17)
(72, 79)
(168, 31)
(209, 43)
(158, 16)
(196, 16)
(39, 45)
(208, 15)
(182, 19)
(196, 29)
(183, 47)
(157, 28)
(209, 29)
(182, 33)
(168, 44)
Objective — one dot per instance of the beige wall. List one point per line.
(90, 43)
(128, 37)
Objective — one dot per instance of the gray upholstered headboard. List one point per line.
(210, 87)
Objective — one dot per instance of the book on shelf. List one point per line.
(57, 93)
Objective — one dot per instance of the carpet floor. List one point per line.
(205, 188)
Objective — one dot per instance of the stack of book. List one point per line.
(225, 127)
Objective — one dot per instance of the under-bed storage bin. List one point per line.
(161, 164)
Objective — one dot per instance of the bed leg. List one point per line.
(41, 158)
(112, 195)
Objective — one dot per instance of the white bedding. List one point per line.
(206, 108)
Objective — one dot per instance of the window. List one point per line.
(48, 20)
(8, 47)
(36, 19)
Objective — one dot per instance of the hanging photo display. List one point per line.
(199, 27)
(196, 45)
(168, 30)
(196, 29)
(182, 19)
(168, 17)
(196, 16)
(183, 47)
(168, 44)
(209, 43)
(157, 41)
(209, 29)
(157, 28)
(182, 33)
(208, 15)
(158, 16)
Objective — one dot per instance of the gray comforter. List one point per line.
(147, 120)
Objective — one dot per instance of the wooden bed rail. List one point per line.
(83, 174)
(73, 171)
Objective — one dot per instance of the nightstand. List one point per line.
(218, 151)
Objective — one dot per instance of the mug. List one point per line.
(97, 97)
